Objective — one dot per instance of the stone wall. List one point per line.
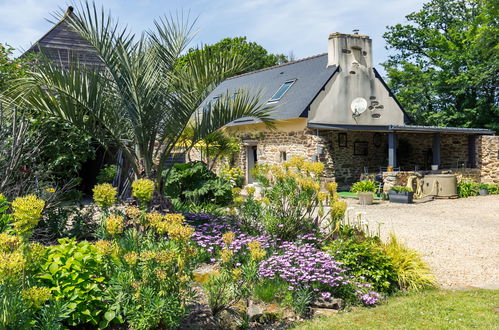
(487, 149)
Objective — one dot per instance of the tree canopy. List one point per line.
(255, 55)
(445, 64)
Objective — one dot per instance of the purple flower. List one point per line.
(326, 295)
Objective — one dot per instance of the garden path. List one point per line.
(459, 238)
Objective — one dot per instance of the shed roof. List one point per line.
(311, 75)
(61, 45)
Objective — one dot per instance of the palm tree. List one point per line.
(140, 100)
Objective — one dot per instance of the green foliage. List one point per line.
(234, 175)
(74, 272)
(269, 290)
(222, 292)
(107, 174)
(364, 186)
(493, 189)
(206, 208)
(444, 64)
(300, 300)
(292, 203)
(10, 68)
(4, 215)
(14, 310)
(413, 273)
(467, 188)
(194, 183)
(255, 56)
(366, 261)
(401, 189)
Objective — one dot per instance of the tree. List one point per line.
(140, 100)
(445, 67)
(255, 55)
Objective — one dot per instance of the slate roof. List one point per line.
(311, 76)
(61, 43)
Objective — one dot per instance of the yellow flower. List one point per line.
(180, 232)
(114, 224)
(321, 196)
(105, 195)
(331, 187)
(143, 190)
(296, 162)
(36, 252)
(236, 273)
(239, 200)
(338, 209)
(265, 200)
(228, 238)
(36, 296)
(9, 243)
(313, 167)
(256, 251)
(106, 247)
(154, 218)
(161, 274)
(309, 184)
(131, 258)
(175, 218)
(27, 212)
(226, 255)
(250, 191)
(147, 255)
(164, 257)
(50, 190)
(11, 266)
(236, 191)
(133, 212)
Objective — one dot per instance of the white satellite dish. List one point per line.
(358, 106)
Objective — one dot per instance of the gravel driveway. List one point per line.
(459, 238)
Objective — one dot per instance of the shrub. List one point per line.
(26, 212)
(107, 174)
(412, 272)
(194, 183)
(74, 272)
(366, 261)
(467, 188)
(143, 190)
(364, 186)
(234, 175)
(493, 188)
(105, 195)
(292, 204)
(269, 290)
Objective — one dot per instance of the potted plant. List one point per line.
(365, 191)
(401, 194)
(483, 189)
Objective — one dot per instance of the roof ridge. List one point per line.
(277, 66)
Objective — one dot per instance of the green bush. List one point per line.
(194, 183)
(467, 188)
(366, 260)
(493, 189)
(412, 271)
(75, 274)
(107, 174)
(269, 290)
(364, 186)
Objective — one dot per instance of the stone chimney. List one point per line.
(350, 51)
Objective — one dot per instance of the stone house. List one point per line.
(336, 108)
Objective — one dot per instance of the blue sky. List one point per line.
(281, 26)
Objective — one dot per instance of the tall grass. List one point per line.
(413, 272)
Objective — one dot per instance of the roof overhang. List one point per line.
(403, 128)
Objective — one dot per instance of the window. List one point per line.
(281, 91)
(282, 156)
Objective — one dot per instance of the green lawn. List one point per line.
(434, 309)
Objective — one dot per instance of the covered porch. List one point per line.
(355, 150)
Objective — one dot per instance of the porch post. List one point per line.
(471, 151)
(436, 149)
(392, 149)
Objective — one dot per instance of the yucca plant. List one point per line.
(141, 99)
(413, 272)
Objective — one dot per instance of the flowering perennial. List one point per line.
(27, 212)
(105, 195)
(143, 190)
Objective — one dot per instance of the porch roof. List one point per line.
(404, 128)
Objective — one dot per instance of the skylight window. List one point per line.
(282, 90)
